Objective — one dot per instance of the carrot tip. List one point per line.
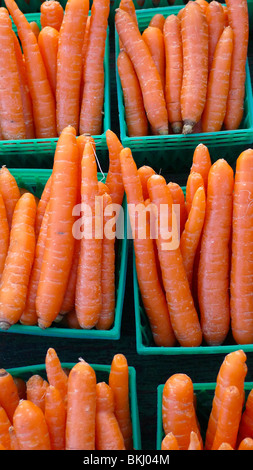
(177, 127)
(188, 127)
(4, 325)
(58, 318)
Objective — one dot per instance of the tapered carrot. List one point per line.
(178, 411)
(55, 416)
(157, 21)
(55, 374)
(44, 199)
(246, 423)
(36, 388)
(35, 28)
(154, 39)
(218, 83)
(195, 443)
(152, 293)
(144, 173)
(173, 71)
(59, 244)
(136, 119)
(246, 444)
(138, 52)
(81, 389)
(169, 442)
(4, 235)
(114, 178)
(119, 383)
(232, 372)
(194, 181)
(30, 427)
(201, 162)
(195, 65)
(184, 318)
(225, 446)
(9, 397)
(48, 43)
(108, 433)
(216, 23)
(93, 90)
(239, 22)
(42, 96)
(178, 197)
(10, 192)
(241, 259)
(51, 14)
(5, 423)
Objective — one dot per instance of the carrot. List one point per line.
(191, 235)
(240, 277)
(43, 109)
(42, 205)
(30, 427)
(178, 197)
(239, 22)
(129, 7)
(214, 263)
(204, 4)
(84, 47)
(59, 244)
(5, 423)
(9, 397)
(153, 297)
(4, 235)
(232, 372)
(194, 181)
(68, 302)
(81, 389)
(13, 439)
(178, 412)
(157, 21)
(35, 28)
(218, 83)
(114, 179)
(51, 14)
(154, 39)
(216, 23)
(2, 447)
(55, 374)
(195, 65)
(108, 433)
(48, 43)
(146, 71)
(36, 388)
(93, 74)
(195, 443)
(225, 446)
(169, 442)
(10, 192)
(144, 173)
(21, 386)
(201, 162)
(246, 423)
(55, 416)
(246, 444)
(119, 383)
(136, 119)
(184, 318)
(173, 71)
(12, 116)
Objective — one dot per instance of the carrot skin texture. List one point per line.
(10, 192)
(194, 181)
(55, 416)
(55, 374)
(48, 43)
(5, 423)
(114, 178)
(51, 14)
(9, 397)
(201, 162)
(36, 388)
(169, 442)
(30, 427)
(246, 426)
(41, 208)
(154, 39)
(4, 235)
(216, 23)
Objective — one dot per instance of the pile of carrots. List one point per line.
(52, 77)
(230, 422)
(68, 410)
(47, 272)
(186, 73)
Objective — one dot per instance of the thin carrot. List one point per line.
(51, 14)
(216, 23)
(239, 22)
(55, 416)
(108, 433)
(36, 388)
(154, 39)
(12, 116)
(195, 443)
(30, 427)
(195, 65)
(35, 28)
(4, 235)
(169, 442)
(194, 181)
(56, 376)
(9, 397)
(246, 444)
(246, 423)
(44, 199)
(144, 173)
(10, 192)
(240, 276)
(5, 423)
(48, 40)
(81, 389)
(157, 21)
(138, 52)
(114, 177)
(178, 197)
(119, 383)
(201, 162)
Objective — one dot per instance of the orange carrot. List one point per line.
(21, 386)
(195, 65)
(42, 205)
(55, 416)
(30, 427)
(5, 423)
(194, 181)
(35, 28)
(13, 439)
(157, 21)
(139, 54)
(225, 446)
(246, 423)
(201, 162)
(2, 447)
(169, 442)
(36, 388)
(108, 433)
(114, 179)
(246, 444)
(48, 43)
(178, 197)
(128, 6)
(81, 389)
(84, 47)
(51, 14)
(154, 39)
(240, 277)
(9, 397)
(10, 192)
(203, 3)
(195, 443)
(55, 374)
(4, 235)
(71, 320)
(216, 23)
(144, 173)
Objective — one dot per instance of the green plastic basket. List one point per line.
(35, 180)
(170, 148)
(204, 397)
(102, 374)
(38, 153)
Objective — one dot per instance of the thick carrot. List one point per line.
(195, 443)
(241, 303)
(9, 397)
(216, 23)
(201, 162)
(30, 427)
(246, 444)
(10, 192)
(169, 442)
(48, 43)
(59, 244)
(11, 108)
(173, 71)
(178, 411)
(218, 83)
(246, 423)
(4, 235)
(194, 181)
(108, 433)
(5, 423)
(114, 178)
(119, 383)
(195, 65)
(136, 119)
(35, 28)
(44, 199)
(157, 21)
(139, 54)
(178, 197)
(81, 389)
(154, 39)
(56, 376)
(36, 388)
(184, 318)
(93, 73)
(239, 22)
(152, 293)
(214, 263)
(144, 173)
(232, 372)
(51, 14)
(55, 416)
(42, 96)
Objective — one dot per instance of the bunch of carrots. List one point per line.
(230, 423)
(52, 77)
(186, 73)
(67, 410)
(47, 272)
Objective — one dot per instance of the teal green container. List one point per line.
(102, 374)
(35, 180)
(204, 396)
